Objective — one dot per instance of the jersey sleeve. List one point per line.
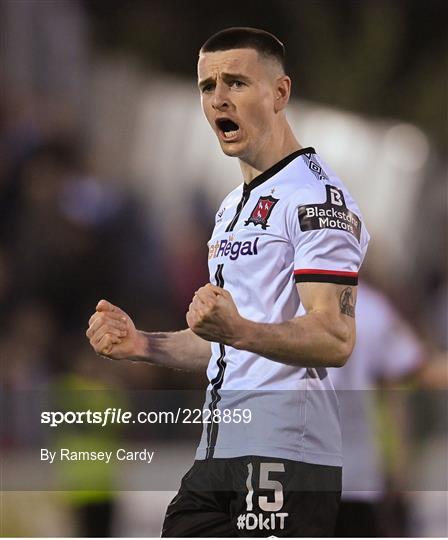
(328, 236)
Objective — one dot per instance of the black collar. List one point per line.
(269, 173)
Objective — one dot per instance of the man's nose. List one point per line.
(220, 97)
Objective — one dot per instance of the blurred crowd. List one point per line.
(68, 239)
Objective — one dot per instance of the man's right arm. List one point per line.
(112, 333)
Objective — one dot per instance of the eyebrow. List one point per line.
(226, 77)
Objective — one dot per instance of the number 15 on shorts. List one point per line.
(270, 517)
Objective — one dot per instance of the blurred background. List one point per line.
(110, 179)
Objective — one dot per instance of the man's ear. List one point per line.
(282, 92)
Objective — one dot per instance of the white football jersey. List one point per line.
(293, 223)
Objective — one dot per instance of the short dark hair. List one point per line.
(263, 42)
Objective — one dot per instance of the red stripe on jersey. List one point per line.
(326, 272)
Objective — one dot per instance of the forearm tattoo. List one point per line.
(347, 302)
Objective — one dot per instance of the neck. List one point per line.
(275, 149)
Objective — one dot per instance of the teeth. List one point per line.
(229, 134)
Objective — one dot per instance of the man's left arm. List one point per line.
(323, 337)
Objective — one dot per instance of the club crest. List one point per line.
(260, 214)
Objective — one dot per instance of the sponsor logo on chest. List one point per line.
(233, 249)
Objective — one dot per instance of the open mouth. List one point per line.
(228, 128)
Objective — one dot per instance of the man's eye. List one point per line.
(207, 88)
(237, 84)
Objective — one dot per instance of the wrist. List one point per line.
(141, 347)
(244, 334)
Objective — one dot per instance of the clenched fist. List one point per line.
(112, 333)
(213, 315)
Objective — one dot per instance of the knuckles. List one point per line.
(101, 318)
(98, 322)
